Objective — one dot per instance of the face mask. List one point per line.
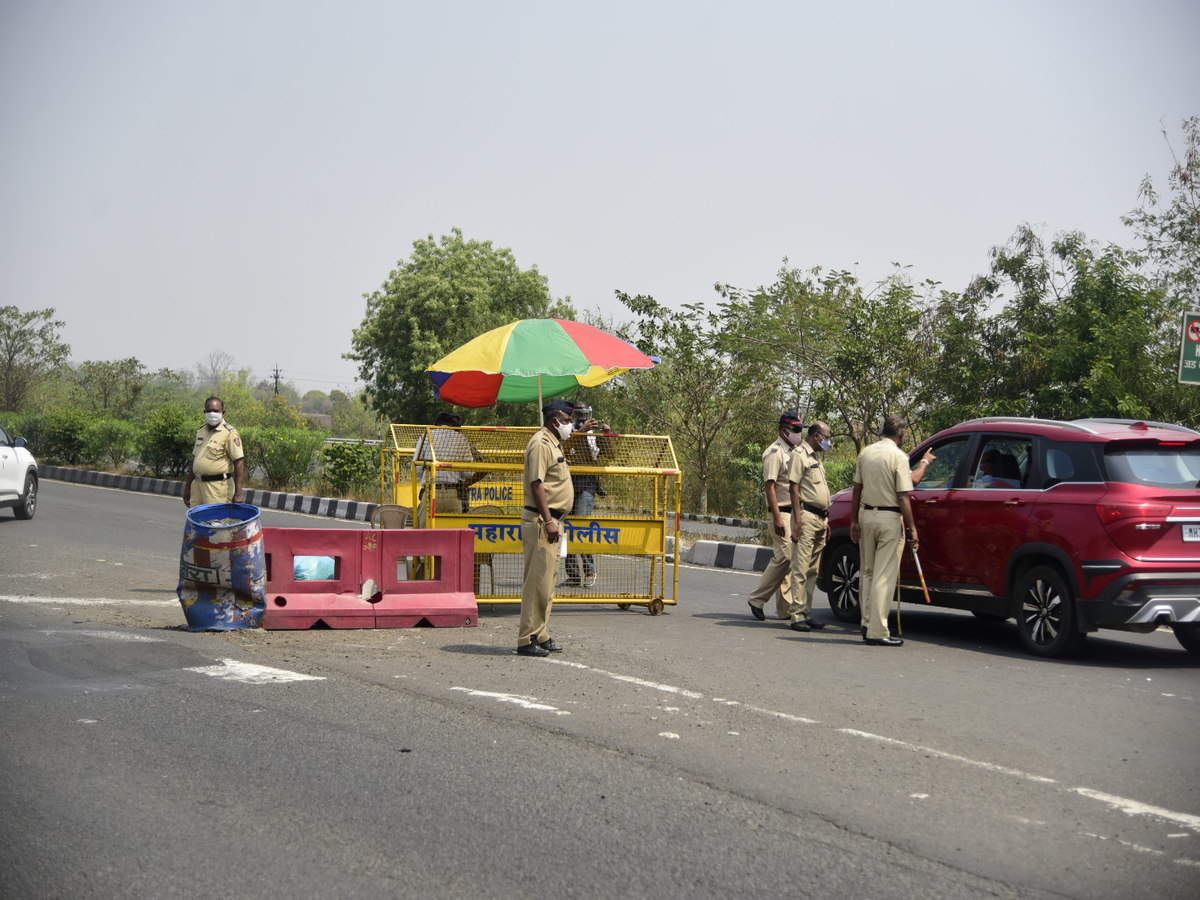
(825, 444)
(792, 437)
(565, 429)
(213, 418)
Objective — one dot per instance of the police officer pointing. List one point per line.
(882, 483)
(549, 495)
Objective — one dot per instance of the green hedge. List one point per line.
(164, 442)
(286, 456)
(351, 466)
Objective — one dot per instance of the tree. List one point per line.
(214, 368)
(30, 350)
(450, 290)
(1169, 227)
(698, 390)
(316, 402)
(112, 385)
(352, 417)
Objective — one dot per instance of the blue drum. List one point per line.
(222, 570)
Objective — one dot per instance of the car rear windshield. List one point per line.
(1158, 465)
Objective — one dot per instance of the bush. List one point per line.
(61, 437)
(112, 441)
(350, 467)
(286, 456)
(15, 424)
(164, 444)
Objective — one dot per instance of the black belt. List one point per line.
(556, 513)
(216, 477)
(884, 508)
(785, 509)
(816, 510)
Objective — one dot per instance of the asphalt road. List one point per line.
(696, 754)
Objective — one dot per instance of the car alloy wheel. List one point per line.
(844, 584)
(1046, 617)
(28, 505)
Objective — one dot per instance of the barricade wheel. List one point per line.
(655, 607)
(622, 606)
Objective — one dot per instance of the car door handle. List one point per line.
(929, 502)
(1015, 501)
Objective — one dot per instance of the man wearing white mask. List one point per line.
(810, 522)
(218, 461)
(549, 495)
(775, 460)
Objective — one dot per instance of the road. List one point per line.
(696, 754)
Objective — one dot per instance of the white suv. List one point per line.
(18, 476)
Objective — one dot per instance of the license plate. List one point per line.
(1191, 532)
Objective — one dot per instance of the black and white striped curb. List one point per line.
(725, 555)
(724, 520)
(355, 510)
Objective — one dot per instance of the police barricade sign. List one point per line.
(627, 498)
(1189, 349)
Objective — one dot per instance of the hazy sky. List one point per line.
(184, 177)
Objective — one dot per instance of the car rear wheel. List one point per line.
(1189, 636)
(844, 582)
(1046, 613)
(28, 505)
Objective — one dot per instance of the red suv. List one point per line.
(1065, 526)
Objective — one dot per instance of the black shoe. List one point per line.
(800, 626)
(864, 632)
(884, 642)
(814, 624)
(549, 646)
(532, 650)
(757, 611)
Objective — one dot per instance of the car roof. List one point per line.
(1080, 430)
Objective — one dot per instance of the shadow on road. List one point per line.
(479, 649)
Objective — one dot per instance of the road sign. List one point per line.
(1189, 349)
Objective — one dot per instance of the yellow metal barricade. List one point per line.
(616, 538)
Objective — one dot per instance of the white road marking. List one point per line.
(1132, 846)
(918, 748)
(86, 601)
(630, 679)
(669, 735)
(250, 673)
(1182, 834)
(1187, 862)
(516, 699)
(87, 721)
(108, 635)
(1135, 808)
(782, 715)
(919, 796)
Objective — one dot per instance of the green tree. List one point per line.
(450, 290)
(30, 349)
(316, 402)
(695, 394)
(112, 386)
(352, 416)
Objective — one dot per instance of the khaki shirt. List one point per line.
(807, 472)
(216, 450)
(775, 468)
(882, 470)
(545, 462)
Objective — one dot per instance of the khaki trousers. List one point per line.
(806, 560)
(541, 572)
(775, 576)
(212, 491)
(880, 546)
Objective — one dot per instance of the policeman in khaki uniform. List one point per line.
(810, 522)
(549, 495)
(882, 483)
(218, 462)
(776, 458)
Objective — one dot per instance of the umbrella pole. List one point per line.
(539, 406)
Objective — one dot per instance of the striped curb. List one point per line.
(724, 520)
(725, 555)
(331, 507)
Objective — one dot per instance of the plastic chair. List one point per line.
(391, 515)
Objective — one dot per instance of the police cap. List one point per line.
(791, 420)
(556, 406)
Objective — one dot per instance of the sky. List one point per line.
(185, 178)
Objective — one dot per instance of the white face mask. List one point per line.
(564, 429)
(213, 418)
(825, 444)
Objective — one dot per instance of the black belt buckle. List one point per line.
(785, 509)
(894, 509)
(215, 477)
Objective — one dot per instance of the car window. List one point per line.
(1003, 462)
(940, 474)
(1069, 463)
(4, 437)
(1167, 466)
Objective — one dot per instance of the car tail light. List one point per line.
(1114, 512)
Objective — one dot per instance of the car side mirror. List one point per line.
(20, 442)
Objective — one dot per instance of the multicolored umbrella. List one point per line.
(531, 359)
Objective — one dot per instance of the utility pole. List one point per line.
(276, 375)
